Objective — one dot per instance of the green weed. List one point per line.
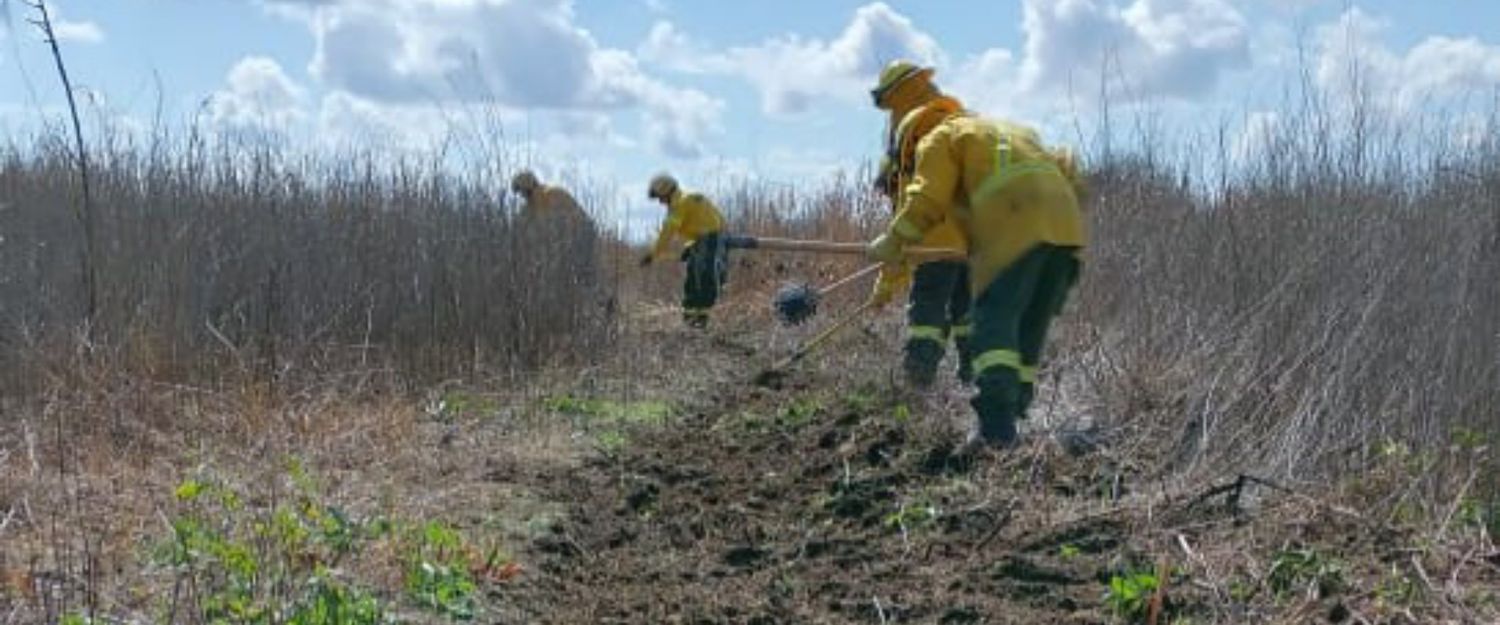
(1069, 551)
(1129, 594)
(273, 565)
(460, 404)
(912, 516)
(611, 442)
(901, 413)
(1305, 570)
(437, 571)
(798, 413)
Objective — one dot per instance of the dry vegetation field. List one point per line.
(352, 389)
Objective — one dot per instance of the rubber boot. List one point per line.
(921, 362)
(965, 360)
(997, 421)
(1028, 393)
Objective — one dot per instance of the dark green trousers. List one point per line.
(707, 267)
(937, 310)
(1011, 318)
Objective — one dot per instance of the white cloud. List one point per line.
(1354, 64)
(791, 71)
(1146, 48)
(988, 82)
(523, 54)
(258, 95)
(349, 120)
(1151, 48)
(83, 32)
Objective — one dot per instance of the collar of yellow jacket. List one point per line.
(915, 125)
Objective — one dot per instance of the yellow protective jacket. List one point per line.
(690, 216)
(1005, 190)
(549, 201)
(945, 234)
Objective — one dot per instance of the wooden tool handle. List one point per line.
(849, 279)
(831, 247)
(823, 336)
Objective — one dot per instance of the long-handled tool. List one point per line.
(744, 242)
(773, 375)
(796, 303)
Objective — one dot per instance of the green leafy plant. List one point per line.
(798, 413)
(265, 565)
(1069, 551)
(901, 413)
(611, 442)
(437, 571)
(329, 602)
(912, 516)
(1304, 570)
(1129, 594)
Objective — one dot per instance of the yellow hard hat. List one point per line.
(524, 182)
(662, 187)
(894, 74)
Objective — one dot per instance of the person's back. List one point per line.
(549, 201)
(1018, 194)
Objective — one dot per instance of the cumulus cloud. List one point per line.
(526, 54)
(258, 95)
(792, 71)
(1171, 48)
(1355, 64)
(1161, 48)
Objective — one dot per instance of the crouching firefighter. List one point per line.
(697, 221)
(1016, 201)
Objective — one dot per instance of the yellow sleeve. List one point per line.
(669, 227)
(925, 202)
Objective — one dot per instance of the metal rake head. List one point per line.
(795, 303)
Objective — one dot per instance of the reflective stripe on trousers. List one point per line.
(926, 333)
(997, 358)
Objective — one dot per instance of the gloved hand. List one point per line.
(886, 248)
(647, 259)
(893, 279)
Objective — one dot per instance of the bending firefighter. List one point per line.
(1017, 203)
(938, 307)
(553, 218)
(694, 218)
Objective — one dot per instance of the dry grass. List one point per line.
(1323, 315)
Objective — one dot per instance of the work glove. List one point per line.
(647, 260)
(887, 248)
(893, 279)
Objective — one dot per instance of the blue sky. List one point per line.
(614, 90)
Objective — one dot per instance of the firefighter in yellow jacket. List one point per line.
(697, 221)
(545, 200)
(1017, 203)
(552, 217)
(938, 306)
